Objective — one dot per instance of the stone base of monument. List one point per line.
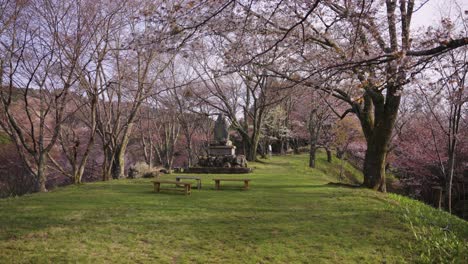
(222, 150)
(221, 164)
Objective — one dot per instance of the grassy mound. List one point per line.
(290, 215)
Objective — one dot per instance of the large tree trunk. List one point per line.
(252, 151)
(118, 165)
(374, 167)
(78, 175)
(247, 148)
(377, 120)
(250, 144)
(107, 165)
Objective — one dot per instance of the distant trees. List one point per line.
(275, 129)
(316, 119)
(43, 47)
(446, 100)
(249, 92)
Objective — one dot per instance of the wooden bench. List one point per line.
(198, 179)
(218, 181)
(187, 186)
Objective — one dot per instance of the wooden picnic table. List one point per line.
(198, 179)
(187, 186)
(218, 182)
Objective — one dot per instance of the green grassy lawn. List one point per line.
(290, 215)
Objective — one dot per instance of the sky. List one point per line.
(433, 10)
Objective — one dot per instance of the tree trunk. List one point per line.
(339, 153)
(252, 152)
(329, 155)
(244, 147)
(41, 174)
(313, 150)
(189, 153)
(118, 162)
(263, 149)
(118, 165)
(451, 163)
(377, 121)
(295, 145)
(374, 167)
(107, 166)
(78, 175)
(314, 131)
(282, 147)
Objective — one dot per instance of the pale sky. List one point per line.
(433, 10)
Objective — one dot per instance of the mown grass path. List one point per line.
(290, 215)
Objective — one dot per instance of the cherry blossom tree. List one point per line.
(446, 102)
(378, 51)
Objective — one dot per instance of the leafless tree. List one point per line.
(42, 48)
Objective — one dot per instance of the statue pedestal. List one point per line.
(222, 156)
(222, 150)
(221, 159)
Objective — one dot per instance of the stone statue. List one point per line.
(221, 130)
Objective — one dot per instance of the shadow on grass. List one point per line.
(272, 163)
(143, 190)
(340, 184)
(166, 192)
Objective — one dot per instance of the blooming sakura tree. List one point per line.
(446, 101)
(378, 51)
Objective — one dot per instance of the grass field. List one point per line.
(290, 215)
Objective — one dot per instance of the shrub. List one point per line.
(304, 149)
(15, 179)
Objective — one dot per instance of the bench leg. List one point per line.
(188, 189)
(217, 185)
(246, 185)
(157, 187)
(199, 184)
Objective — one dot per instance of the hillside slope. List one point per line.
(290, 215)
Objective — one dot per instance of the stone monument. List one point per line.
(222, 156)
(221, 145)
